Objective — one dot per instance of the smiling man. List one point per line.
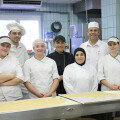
(16, 31)
(94, 47)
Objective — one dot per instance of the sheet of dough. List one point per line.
(92, 97)
(30, 104)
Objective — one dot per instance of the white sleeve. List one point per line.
(67, 82)
(26, 57)
(101, 74)
(55, 71)
(19, 72)
(26, 71)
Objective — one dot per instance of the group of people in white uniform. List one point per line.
(93, 63)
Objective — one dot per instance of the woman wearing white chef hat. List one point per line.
(109, 67)
(10, 73)
(40, 72)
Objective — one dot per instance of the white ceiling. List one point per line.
(61, 1)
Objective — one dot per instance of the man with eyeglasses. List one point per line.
(16, 31)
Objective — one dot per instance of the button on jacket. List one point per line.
(109, 69)
(40, 73)
(79, 79)
(10, 65)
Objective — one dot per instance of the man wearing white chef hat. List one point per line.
(94, 47)
(16, 31)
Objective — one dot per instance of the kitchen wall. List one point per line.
(55, 12)
(110, 18)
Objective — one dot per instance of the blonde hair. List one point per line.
(38, 40)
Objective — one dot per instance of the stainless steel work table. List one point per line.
(66, 109)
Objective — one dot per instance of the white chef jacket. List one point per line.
(79, 79)
(40, 73)
(10, 65)
(109, 69)
(21, 53)
(94, 53)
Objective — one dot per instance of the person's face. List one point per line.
(39, 48)
(4, 49)
(113, 46)
(15, 36)
(59, 45)
(93, 33)
(79, 57)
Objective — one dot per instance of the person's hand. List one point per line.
(40, 95)
(119, 87)
(60, 78)
(47, 95)
(114, 87)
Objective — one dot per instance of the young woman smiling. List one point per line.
(79, 77)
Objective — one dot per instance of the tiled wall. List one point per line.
(110, 18)
(55, 12)
(61, 13)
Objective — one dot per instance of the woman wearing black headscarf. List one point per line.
(79, 77)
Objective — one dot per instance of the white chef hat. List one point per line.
(113, 39)
(93, 24)
(16, 26)
(37, 41)
(4, 39)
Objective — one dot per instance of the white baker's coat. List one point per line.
(109, 69)
(21, 54)
(94, 53)
(40, 73)
(78, 79)
(11, 65)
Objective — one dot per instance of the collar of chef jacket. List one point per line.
(3, 58)
(97, 44)
(43, 60)
(19, 46)
(60, 53)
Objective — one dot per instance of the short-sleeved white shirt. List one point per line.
(11, 65)
(109, 69)
(94, 53)
(40, 73)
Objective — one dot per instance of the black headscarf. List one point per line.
(82, 50)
